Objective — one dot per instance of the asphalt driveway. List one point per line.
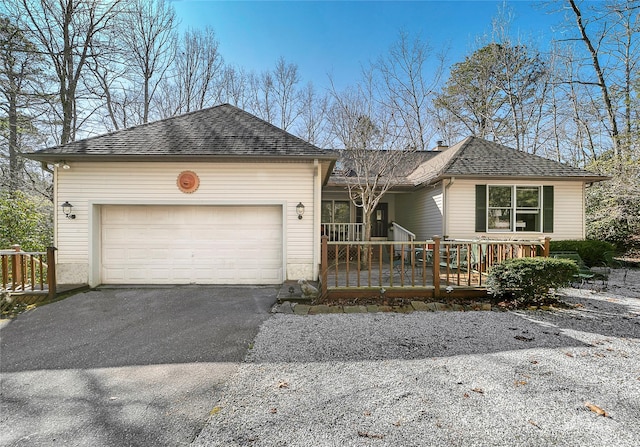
(124, 366)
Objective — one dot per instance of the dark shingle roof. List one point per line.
(406, 164)
(222, 131)
(476, 157)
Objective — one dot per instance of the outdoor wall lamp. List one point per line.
(66, 209)
(300, 210)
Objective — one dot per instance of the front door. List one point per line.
(379, 220)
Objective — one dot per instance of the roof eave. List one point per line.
(585, 179)
(52, 158)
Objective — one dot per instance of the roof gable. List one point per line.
(222, 131)
(476, 157)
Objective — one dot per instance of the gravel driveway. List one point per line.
(526, 378)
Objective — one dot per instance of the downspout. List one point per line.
(55, 207)
(445, 206)
(584, 212)
(317, 203)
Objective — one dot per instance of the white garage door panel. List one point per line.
(191, 244)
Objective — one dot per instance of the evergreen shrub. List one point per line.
(530, 280)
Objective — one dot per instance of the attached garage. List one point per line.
(191, 244)
(216, 196)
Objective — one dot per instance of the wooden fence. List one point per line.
(415, 269)
(26, 277)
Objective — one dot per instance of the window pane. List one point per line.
(341, 212)
(326, 211)
(528, 221)
(500, 219)
(527, 197)
(499, 196)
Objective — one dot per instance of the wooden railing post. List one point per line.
(547, 240)
(436, 267)
(324, 265)
(5, 271)
(51, 271)
(16, 267)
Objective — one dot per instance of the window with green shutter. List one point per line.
(481, 208)
(514, 208)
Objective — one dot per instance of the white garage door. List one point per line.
(191, 244)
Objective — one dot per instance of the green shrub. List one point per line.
(529, 280)
(25, 220)
(594, 253)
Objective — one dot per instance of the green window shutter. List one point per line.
(547, 209)
(481, 208)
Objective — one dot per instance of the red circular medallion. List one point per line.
(188, 181)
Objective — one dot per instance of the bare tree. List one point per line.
(261, 96)
(312, 121)
(148, 35)
(373, 153)
(114, 90)
(198, 70)
(67, 32)
(601, 82)
(408, 86)
(234, 86)
(285, 79)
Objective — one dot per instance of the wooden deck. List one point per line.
(408, 269)
(26, 277)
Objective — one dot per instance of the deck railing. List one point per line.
(28, 273)
(400, 233)
(429, 268)
(343, 232)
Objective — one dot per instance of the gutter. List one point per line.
(445, 205)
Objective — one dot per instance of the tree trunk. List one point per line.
(601, 81)
(14, 162)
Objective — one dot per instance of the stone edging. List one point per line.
(288, 307)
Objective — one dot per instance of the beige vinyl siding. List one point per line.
(568, 210)
(87, 186)
(421, 212)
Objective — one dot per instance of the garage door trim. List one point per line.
(95, 223)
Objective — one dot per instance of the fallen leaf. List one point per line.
(466, 395)
(534, 424)
(365, 434)
(397, 423)
(273, 411)
(522, 338)
(520, 382)
(534, 362)
(367, 413)
(283, 384)
(568, 354)
(596, 409)
(478, 390)
(215, 410)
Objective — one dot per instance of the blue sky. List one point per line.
(338, 37)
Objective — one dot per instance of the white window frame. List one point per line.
(514, 210)
(333, 209)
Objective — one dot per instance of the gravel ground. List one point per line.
(526, 378)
